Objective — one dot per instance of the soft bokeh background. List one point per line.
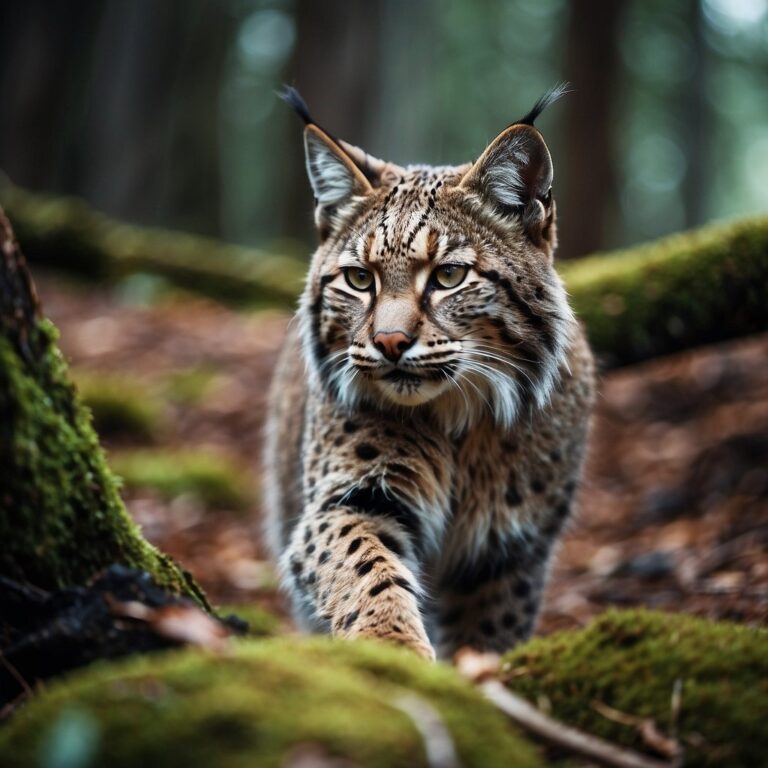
(164, 112)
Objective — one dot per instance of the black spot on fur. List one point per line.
(512, 496)
(390, 542)
(451, 617)
(350, 427)
(374, 501)
(537, 486)
(487, 628)
(508, 621)
(307, 534)
(324, 556)
(350, 619)
(366, 566)
(354, 546)
(310, 549)
(380, 587)
(323, 527)
(366, 451)
(402, 582)
(522, 589)
(345, 529)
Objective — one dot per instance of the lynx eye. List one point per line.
(449, 275)
(358, 278)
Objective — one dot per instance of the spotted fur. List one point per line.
(417, 494)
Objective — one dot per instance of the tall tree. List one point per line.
(592, 66)
(336, 66)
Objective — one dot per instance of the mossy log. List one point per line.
(61, 517)
(266, 703)
(66, 234)
(683, 291)
(631, 661)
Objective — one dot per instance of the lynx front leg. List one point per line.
(489, 601)
(353, 571)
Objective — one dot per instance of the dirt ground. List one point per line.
(673, 513)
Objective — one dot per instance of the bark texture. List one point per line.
(61, 517)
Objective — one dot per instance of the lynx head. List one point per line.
(434, 288)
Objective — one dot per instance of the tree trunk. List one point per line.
(61, 518)
(592, 66)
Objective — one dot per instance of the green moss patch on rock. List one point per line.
(693, 288)
(121, 408)
(210, 478)
(260, 704)
(630, 661)
(61, 517)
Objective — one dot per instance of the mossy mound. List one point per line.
(259, 705)
(210, 478)
(630, 661)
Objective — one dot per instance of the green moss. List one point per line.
(261, 622)
(630, 661)
(212, 479)
(120, 407)
(190, 385)
(61, 518)
(694, 288)
(256, 705)
(65, 233)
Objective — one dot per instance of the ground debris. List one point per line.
(122, 612)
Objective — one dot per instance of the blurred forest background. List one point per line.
(164, 113)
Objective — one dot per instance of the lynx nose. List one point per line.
(392, 344)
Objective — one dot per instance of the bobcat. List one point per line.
(430, 409)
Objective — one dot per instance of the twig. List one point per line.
(565, 736)
(16, 675)
(438, 743)
(646, 727)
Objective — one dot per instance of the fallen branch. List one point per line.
(563, 736)
(481, 669)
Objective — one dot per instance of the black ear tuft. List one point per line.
(549, 98)
(293, 99)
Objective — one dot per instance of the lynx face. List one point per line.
(436, 285)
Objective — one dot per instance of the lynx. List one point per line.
(431, 406)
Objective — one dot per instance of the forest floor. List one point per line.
(673, 513)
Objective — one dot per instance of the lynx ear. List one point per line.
(515, 173)
(514, 170)
(337, 171)
(332, 174)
